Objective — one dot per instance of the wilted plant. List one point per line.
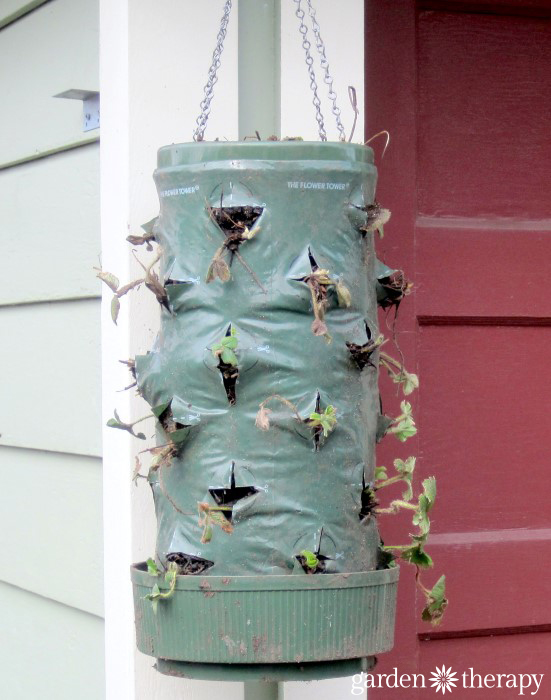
(319, 282)
(150, 280)
(399, 374)
(210, 516)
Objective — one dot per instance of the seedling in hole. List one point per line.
(225, 349)
(156, 594)
(310, 559)
(320, 421)
(227, 363)
(326, 420)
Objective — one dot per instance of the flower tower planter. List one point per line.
(264, 387)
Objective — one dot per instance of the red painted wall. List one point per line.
(464, 88)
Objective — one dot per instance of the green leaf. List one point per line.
(152, 568)
(416, 555)
(436, 603)
(429, 489)
(310, 558)
(228, 357)
(230, 342)
(380, 474)
(115, 308)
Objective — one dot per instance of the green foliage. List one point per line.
(399, 374)
(404, 472)
(210, 516)
(326, 420)
(152, 568)
(310, 559)
(403, 426)
(225, 349)
(156, 594)
(116, 422)
(436, 602)
(380, 474)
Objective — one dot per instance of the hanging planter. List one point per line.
(271, 420)
(263, 385)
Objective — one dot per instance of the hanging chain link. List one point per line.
(212, 75)
(306, 45)
(328, 80)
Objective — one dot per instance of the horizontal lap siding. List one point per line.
(49, 651)
(50, 448)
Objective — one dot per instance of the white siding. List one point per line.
(50, 504)
(49, 651)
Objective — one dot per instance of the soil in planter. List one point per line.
(188, 564)
(229, 496)
(234, 221)
(167, 421)
(229, 378)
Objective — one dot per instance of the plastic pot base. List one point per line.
(332, 621)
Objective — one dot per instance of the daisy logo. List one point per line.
(443, 679)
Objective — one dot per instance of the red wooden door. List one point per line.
(464, 88)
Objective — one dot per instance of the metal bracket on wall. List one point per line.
(90, 106)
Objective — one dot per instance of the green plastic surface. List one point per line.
(312, 196)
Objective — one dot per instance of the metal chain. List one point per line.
(309, 62)
(325, 65)
(212, 75)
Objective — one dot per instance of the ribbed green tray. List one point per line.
(267, 619)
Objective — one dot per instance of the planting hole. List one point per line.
(393, 289)
(368, 500)
(361, 354)
(230, 495)
(188, 564)
(313, 562)
(230, 373)
(166, 419)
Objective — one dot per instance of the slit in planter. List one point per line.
(188, 564)
(229, 496)
(368, 500)
(176, 431)
(392, 289)
(227, 363)
(361, 354)
(237, 224)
